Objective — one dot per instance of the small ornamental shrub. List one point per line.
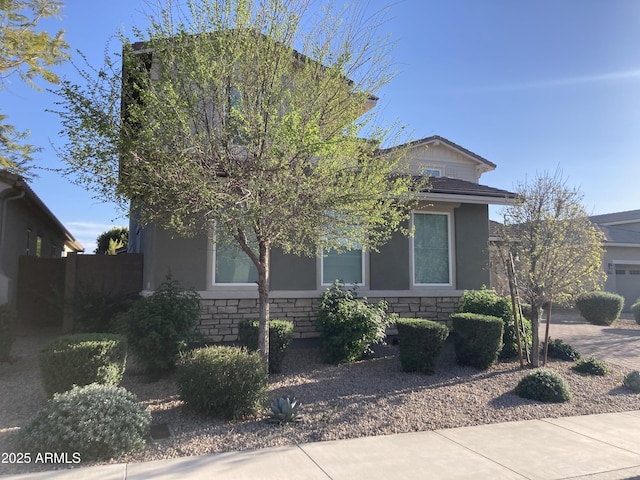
(600, 308)
(635, 309)
(349, 326)
(543, 385)
(82, 359)
(280, 336)
(591, 366)
(632, 381)
(7, 331)
(222, 382)
(420, 342)
(96, 421)
(488, 302)
(160, 326)
(477, 339)
(562, 351)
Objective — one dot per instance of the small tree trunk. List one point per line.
(263, 303)
(536, 311)
(546, 336)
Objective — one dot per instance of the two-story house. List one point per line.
(419, 276)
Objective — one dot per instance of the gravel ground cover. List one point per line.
(370, 397)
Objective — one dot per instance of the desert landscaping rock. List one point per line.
(370, 397)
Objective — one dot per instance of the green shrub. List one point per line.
(562, 351)
(591, 366)
(635, 309)
(222, 382)
(349, 326)
(544, 385)
(420, 342)
(82, 359)
(600, 308)
(160, 326)
(95, 311)
(7, 331)
(488, 302)
(477, 339)
(280, 336)
(632, 381)
(96, 421)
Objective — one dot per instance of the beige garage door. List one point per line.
(628, 283)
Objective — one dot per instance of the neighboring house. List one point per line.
(27, 227)
(422, 276)
(622, 258)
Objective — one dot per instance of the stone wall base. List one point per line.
(219, 318)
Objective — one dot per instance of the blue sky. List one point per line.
(532, 86)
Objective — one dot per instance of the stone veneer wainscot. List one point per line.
(219, 318)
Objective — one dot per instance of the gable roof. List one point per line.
(619, 235)
(436, 140)
(20, 184)
(630, 216)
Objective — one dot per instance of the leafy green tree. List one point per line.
(247, 119)
(111, 240)
(31, 54)
(558, 250)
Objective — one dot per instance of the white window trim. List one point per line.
(363, 261)
(213, 267)
(450, 248)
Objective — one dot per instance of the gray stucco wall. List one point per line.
(185, 258)
(292, 272)
(472, 249)
(389, 268)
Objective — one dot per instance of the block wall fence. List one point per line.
(219, 318)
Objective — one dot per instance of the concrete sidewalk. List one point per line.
(605, 446)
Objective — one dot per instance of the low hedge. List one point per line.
(82, 359)
(635, 309)
(280, 336)
(477, 339)
(420, 342)
(543, 385)
(222, 381)
(600, 308)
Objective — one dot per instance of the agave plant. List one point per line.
(284, 410)
(632, 381)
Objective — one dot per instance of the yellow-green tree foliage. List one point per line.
(557, 250)
(250, 117)
(29, 53)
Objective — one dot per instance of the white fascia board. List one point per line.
(478, 199)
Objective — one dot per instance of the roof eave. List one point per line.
(476, 199)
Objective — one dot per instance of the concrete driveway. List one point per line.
(618, 344)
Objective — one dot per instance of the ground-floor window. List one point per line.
(431, 244)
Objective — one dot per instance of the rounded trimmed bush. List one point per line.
(421, 342)
(222, 381)
(7, 334)
(632, 381)
(82, 359)
(561, 350)
(600, 308)
(96, 421)
(477, 339)
(280, 336)
(635, 309)
(543, 385)
(591, 366)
